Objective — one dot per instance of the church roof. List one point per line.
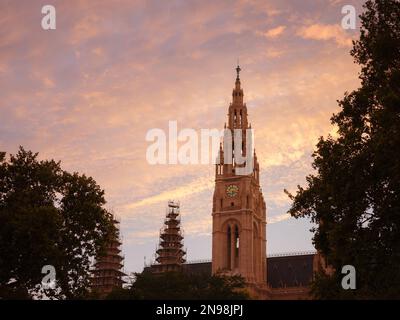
(282, 271)
(197, 267)
(290, 271)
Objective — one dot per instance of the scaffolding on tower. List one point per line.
(170, 254)
(107, 271)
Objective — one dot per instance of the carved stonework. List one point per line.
(239, 211)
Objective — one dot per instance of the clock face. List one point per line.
(232, 190)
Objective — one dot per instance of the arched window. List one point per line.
(228, 245)
(237, 244)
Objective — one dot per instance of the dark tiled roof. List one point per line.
(290, 271)
(202, 267)
(191, 267)
(282, 271)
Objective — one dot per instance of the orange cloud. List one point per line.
(135, 66)
(48, 83)
(85, 29)
(275, 32)
(197, 186)
(326, 32)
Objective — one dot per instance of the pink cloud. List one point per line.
(274, 32)
(87, 93)
(326, 32)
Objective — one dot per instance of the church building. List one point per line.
(239, 220)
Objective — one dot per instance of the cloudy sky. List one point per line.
(88, 92)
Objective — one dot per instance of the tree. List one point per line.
(354, 196)
(48, 217)
(182, 286)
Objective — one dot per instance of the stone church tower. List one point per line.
(239, 211)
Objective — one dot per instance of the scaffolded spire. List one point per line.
(170, 254)
(107, 273)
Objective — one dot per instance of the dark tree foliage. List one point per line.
(182, 286)
(48, 217)
(354, 197)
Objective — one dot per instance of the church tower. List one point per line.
(107, 272)
(239, 211)
(170, 254)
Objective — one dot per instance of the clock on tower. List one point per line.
(232, 190)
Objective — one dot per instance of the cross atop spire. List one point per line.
(237, 93)
(238, 71)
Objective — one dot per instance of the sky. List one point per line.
(88, 92)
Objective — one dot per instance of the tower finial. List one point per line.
(238, 71)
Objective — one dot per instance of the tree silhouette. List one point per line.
(182, 286)
(48, 217)
(354, 197)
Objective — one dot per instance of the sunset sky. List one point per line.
(88, 92)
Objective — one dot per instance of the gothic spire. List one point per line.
(237, 72)
(237, 93)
